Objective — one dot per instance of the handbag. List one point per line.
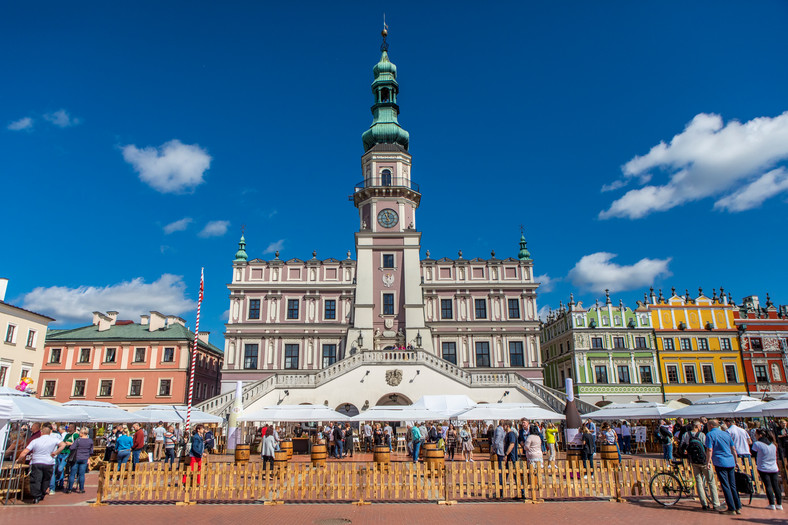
(72, 455)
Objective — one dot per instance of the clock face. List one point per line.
(388, 218)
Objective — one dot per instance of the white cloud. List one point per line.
(178, 226)
(61, 119)
(130, 298)
(753, 195)
(275, 246)
(596, 272)
(226, 316)
(615, 185)
(215, 229)
(542, 313)
(547, 283)
(173, 167)
(708, 158)
(24, 123)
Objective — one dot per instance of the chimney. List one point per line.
(113, 317)
(203, 336)
(144, 319)
(104, 321)
(157, 321)
(96, 317)
(174, 319)
(3, 286)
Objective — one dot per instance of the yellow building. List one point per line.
(697, 346)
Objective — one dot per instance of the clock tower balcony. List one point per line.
(367, 189)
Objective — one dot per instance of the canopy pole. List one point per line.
(194, 351)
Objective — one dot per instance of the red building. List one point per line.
(763, 332)
(129, 364)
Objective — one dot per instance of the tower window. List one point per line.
(384, 95)
(292, 308)
(388, 260)
(385, 178)
(450, 352)
(446, 309)
(388, 304)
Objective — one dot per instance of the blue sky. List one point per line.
(136, 139)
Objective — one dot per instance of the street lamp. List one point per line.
(418, 339)
(360, 340)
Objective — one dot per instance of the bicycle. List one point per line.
(668, 487)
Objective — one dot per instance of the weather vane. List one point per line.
(243, 229)
(522, 229)
(384, 46)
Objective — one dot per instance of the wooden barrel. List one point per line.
(319, 454)
(280, 460)
(574, 457)
(241, 454)
(609, 454)
(381, 454)
(288, 446)
(434, 456)
(425, 447)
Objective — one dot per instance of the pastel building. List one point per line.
(129, 364)
(697, 345)
(763, 335)
(22, 343)
(388, 325)
(607, 349)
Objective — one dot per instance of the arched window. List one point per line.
(384, 95)
(385, 178)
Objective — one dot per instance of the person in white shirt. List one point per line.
(43, 450)
(367, 437)
(158, 449)
(741, 440)
(626, 437)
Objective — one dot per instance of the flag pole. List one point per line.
(194, 351)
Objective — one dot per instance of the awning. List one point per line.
(630, 411)
(296, 413)
(101, 412)
(511, 411)
(716, 407)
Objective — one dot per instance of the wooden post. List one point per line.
(100, 491)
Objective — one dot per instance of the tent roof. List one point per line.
(716, 407)
(400, 413)
(300, 413)
(648, 410)
(776, 408)
(100, 412)
(445, 403)
(513, 411)
(28, 408)
(172, 414)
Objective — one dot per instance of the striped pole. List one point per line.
(194, 351)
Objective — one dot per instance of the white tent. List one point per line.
(445, 404)
(512, 411)
(28, 408)
(101, 412)
(172, 414)
(776, 408)
(296, 413)
(5, 416)
(648, 410)
(400, 413)
(716, 407)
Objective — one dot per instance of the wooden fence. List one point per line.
(395, 482)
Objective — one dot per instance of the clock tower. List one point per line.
(389, 308)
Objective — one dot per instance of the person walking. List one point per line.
(721, 452)
(626, 437)
(416, 440)
(59, 470)
(196, 451)
(550, 434)
(268, 448)
(741, 440)
(82, 449)
(338, 440)
(533, 446)
(158, 443)
(766, 463)
(451, 441)
(169, 445)
(497, 444)
(123, 444)
(665, 436)
(466, 442)
(705, 482)
(138, 445)
(43, 450)
(589, 447)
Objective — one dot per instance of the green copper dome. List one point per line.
(524, 254)
(240, 255)
(385, 128)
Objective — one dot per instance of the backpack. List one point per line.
(696, 450)
(744, 483)
(663, 435)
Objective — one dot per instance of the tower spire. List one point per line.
(523, 254)
(240, 255)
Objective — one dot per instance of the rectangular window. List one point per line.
(105, 388)
(483, 353)
(54, 356)
(618, 342)
(330, 309)
(139, 355)
(708, 373)
(667, 343)
(84, 355)
(31, 338)
(49, 389)
(388, 260)
(10, 334)
(689, 374)
(623, 374)
(730, 374)
(640, 342)
(388, 304)
(25, 373)
(292, 308)
(449, 351)
(79, 388)
(135, 388)
(600, 371)
(329, 355)
(169, 355)
(703, 343)
(446, 309)
(481, 308)
(514, 308)
(165, 385)
(291, 357)
(685, 343)
(516, 355)
(760, 374)
(756, 343)
(673, 374)
(3, 374)
(596, 342)
(725, 344)
(250, 357)
(645, 375)
(110, 355)
(254, 308)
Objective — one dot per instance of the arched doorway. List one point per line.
(350, 410)
(393, 399)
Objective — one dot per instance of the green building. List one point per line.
(608, 351)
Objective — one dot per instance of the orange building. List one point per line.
(129, 364)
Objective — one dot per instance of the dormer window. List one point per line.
(385, 178)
